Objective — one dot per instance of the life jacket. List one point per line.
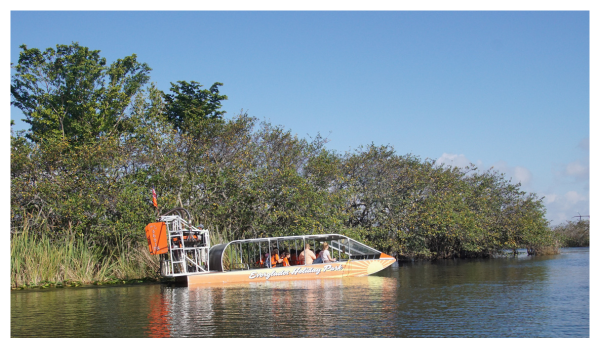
(274, 259)
(285, 262)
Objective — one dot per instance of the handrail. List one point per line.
(282, 238)
(306, 237)
(177, 209)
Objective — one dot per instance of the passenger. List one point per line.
(286, 257)
(275, 260)
(318, 259)
(307, 256)
(325, 256)
(266, 260)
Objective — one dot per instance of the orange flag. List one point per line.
(154, 198)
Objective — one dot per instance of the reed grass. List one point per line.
(41, 259)
(134, 262)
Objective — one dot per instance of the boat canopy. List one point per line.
(246, 253)
(336, 242)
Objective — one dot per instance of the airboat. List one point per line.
(185, 254)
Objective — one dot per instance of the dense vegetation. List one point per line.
(574, 234)
(101, 138)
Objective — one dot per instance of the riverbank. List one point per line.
(75, 284)
(73, 261)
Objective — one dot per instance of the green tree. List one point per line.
(71, 92)
(574, 234)
(189, 104)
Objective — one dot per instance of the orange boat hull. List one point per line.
(352, 268)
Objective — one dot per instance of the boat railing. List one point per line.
(248, 253)
(185, 249)
(188, 248)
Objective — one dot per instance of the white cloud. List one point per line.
(577, 169)
(454, 160)
(522, 174)
(574, 197)
(550, 198)
(568, 196)
(518, 173)
(563, 207)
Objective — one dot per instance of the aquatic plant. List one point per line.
(43, 260)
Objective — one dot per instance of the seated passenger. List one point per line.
(318, 259)
(286, 256)
(325, 256)
(266, 260)
(275, 260)
(307, 256)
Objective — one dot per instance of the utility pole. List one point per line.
(580, 216)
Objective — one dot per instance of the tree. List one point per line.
(188, 105)
(71, 92)
(574, 234)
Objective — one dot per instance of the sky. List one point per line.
(501, 89)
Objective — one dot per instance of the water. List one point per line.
(508, 297)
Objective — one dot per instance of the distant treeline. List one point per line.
(102, 137)
(574, 234)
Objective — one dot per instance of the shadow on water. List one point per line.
(513, 297)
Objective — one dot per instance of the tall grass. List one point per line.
(134, 262)
(37, 259)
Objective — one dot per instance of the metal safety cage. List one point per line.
(247, 254)
(355, 250)
(188, 248)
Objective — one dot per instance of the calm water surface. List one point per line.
(509, 297)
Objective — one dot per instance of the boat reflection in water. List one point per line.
(310, 307)
(159, 318)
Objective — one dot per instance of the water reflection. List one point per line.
(159, 318)
(499, 297)
(309, 307)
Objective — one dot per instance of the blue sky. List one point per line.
(502, 89)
